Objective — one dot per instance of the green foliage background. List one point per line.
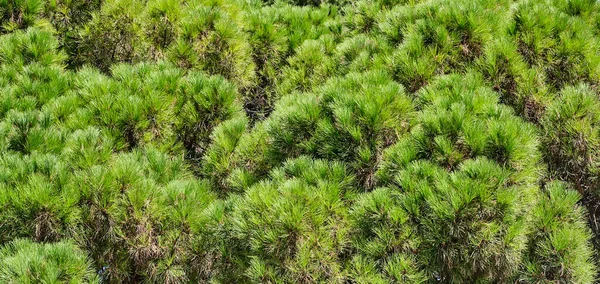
(291, 141)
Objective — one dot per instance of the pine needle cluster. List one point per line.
(293, 141)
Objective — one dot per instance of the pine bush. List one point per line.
(463, 181)
(557, 252)
(292, 141)
(24, 261)
(19, 14)
(293, 229)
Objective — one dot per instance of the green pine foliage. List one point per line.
(19, 14)
(211, 40)
(293, 228)
(291, 141)
(24, 261)
(460, 183)
(155, 104)
(109, 36)
(572, 136)
(556, 252)
(350, 119)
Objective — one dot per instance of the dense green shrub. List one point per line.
(465, 179)
(203, 104)
(155, 104)
(19, 14)
(350, 119)
(384, 239)
(556, 252)
(210, 40)
(24, 261)
(518, 85)
(23, 48)
(439, 39)
(570, 144)
(553, 36)
(293, 229)
(571, 138)
(142, 217)
(211, 141)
